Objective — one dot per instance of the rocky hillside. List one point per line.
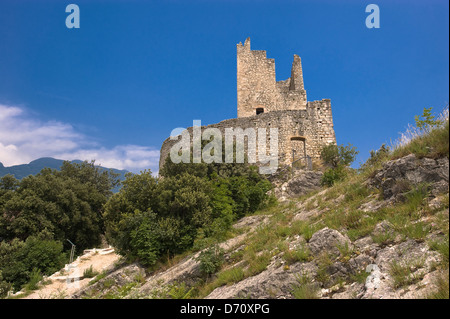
(382, 233)
(378, 232)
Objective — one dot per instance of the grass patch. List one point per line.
(225, 277)
(417, 231)
(434, 144)
(90, 272)
(346, 251)
(323, 262)
(257, 264)
(304, 289)
(98, 277)
(35, 278)
(230, 276)
(180, 291)
(292, 256)
(385, 238)
(416, 197)
(442, 283)
(442, 247)
(402, 273)
(359, 277)
(121, 291)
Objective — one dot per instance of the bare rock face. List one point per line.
(303, 183)
(397, 176)
(300, 184)
(274, 282)
(416, 257)
(328, 240)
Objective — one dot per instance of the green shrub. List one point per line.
(333, 175)
(35, 278)
(90, 272)
(211, 260)
(428, 121)
(138, 238)
(376, 157)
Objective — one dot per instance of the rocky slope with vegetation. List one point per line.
(377, 232)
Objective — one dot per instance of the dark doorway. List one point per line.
(259, 110)
(298, 148)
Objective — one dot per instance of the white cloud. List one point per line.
(23, 139)
(131, 157)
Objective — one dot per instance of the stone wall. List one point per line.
(314, 125)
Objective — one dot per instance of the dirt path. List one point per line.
(70, 279)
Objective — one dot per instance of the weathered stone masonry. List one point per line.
(257, 88)
(264, 103)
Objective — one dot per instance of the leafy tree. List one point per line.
(338, 158)
(67, 204)
(428, 120)
(8, 183)
(136, 194)
(137, 237)
(19, 258)
(336, 155)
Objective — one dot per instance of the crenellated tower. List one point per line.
(257, 88)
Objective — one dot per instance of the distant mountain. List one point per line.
(34, 167)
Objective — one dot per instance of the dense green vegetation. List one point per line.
(150, 218)
(39, 213)
(193, 205)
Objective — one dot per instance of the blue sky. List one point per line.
(116, 87)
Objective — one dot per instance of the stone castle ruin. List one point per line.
(304, 127)
(258, 91)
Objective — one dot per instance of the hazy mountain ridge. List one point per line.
(34, 167)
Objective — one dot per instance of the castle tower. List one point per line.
(257, 89)
(303, 127)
